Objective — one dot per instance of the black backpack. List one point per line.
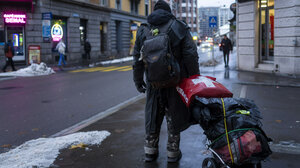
(162, 68)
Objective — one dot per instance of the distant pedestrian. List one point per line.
(226, 47)
(61, 48)
(87, 49)
(9, 54)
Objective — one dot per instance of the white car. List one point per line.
(205, 45)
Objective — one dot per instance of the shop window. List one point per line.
(267, 30)
(103, 36)
(58, 31)
(146, 7)
(134, 4)
(2, 37)
(118, 36)
(103, 2)
(118, 4)
(83, 30)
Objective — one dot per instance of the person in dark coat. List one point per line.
(227, 47)
(87, 49)
(166, 101)
(9, 54)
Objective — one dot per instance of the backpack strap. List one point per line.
(166, 28)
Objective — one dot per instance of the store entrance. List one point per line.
(16, 35)
(266, 30)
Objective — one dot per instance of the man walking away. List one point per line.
(61, 48)
(164, 38)
(227, 47)
(9, 54)
(87, 49)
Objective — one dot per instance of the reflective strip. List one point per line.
(173, 154)
(150, 151)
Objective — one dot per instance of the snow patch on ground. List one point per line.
(32, 70)
(117, 61)
(42, 152)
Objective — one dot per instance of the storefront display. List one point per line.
(267, 30)
(58, 31)
(14, 31)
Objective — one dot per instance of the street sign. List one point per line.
(212, 21)
(46, 26)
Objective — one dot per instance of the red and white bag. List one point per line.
(202, 86)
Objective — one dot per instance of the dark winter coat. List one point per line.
(226, 45)
(6, 50)
(185, 51)
(87, 46)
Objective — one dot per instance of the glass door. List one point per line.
(16, 35)
(266, 30)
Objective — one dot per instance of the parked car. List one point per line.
(205, 45)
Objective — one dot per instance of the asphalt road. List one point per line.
(41, 106)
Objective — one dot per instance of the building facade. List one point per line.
(36, 26)
(224, 16)
(268, 36)
(204, 14)
(187, 10)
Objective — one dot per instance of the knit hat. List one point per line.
(161, 4)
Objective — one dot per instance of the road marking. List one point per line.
(117, 68)
(126, 69)
(104, 69)
(243, 91)
(98, 117)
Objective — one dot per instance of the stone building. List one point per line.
(37, 25)
(268, 34)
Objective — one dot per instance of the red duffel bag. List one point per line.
(202, 86)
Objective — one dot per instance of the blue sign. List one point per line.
(47, 16)
(46, 26)
(213, 21)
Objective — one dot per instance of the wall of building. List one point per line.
(142, 8)
(73, 13)
(126, 5)
(246, 31)
(287, 36)
(112, 3)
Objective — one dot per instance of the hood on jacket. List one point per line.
(159, 17)
(161, 4)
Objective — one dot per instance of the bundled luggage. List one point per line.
(239, 138)
(232, 125)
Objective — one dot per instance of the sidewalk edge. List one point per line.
(98, 117)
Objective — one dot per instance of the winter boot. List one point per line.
(174, 153)
(151, 147)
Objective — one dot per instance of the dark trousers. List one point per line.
(152, 138)
(11, 62)
(226, 57)
(87, 54)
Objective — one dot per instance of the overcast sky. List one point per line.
(209, 3)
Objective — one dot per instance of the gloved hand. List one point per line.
(141, 86)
